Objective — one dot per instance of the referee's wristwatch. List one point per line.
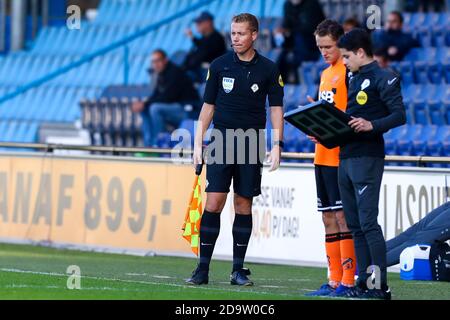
(279, 143)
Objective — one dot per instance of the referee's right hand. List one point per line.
(198, 155)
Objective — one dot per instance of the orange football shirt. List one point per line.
(334, 90)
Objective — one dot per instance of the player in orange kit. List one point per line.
(338, 240)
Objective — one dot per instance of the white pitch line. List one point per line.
(290, 280)
(273, 287)
(157, 276)
(135, 274)
(22, 286)
(161, 277)
(140, 282)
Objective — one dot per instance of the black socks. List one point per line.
(242, 230)
(209, 231)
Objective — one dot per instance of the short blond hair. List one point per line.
(247, 17)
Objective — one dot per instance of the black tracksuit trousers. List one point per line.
(359, 185)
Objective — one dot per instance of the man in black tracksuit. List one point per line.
(376, 106)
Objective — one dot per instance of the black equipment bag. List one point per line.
(440, 261)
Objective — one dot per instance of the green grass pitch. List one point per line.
(28, 272)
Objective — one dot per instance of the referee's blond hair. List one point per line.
(247, 17)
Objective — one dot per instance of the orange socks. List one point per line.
(333, 250)
(341, 258)
(348, 257)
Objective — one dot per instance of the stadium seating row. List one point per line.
(440, 54)
(107, 70)
(425, 85)
(18, 131)
(49, 103)
(102, 71)
(425, 19)
(423, 72)
(112, 116)
(435, 36)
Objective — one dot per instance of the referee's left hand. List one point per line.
(360, 125)
(274, 158)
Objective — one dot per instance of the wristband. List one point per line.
(279, 143)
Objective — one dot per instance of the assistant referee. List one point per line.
(237, 86)
(375, 104)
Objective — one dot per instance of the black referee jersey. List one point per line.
(239, 89)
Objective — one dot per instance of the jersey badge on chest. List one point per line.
(365, 84)
(227, 84)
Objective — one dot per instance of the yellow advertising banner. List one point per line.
(105, 203)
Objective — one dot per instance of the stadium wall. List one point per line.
(135, 205)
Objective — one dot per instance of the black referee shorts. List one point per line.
(246, 175)
(328, 195)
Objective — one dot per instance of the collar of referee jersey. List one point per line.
(246, 63)
(368, 67)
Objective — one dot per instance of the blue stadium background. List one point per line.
(97, 87)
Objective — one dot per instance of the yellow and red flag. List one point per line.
(191, 225)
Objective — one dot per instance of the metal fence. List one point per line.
(183, 153)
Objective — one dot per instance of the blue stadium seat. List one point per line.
(296, 95)
(305, 145)
(444, 92)
(415, 54)
(431, 19)
(409, 112)
(413, 132)
(407, 20)
(308, 73)
(396, 133)
(408, 93)
(3, 125)
(446, 72)
(443, 54)
(447, 35)
(421, 72)
(312, 91)
(274, 54)
(419, 148)
(392, 137)
(446, 148)
(424, 36)
(428, 132)
(404, 147)
(321, 66)
(443, 18)
(163, 140)
(435, 73)
(443, 133)
(11, 129)
(436, 112)
(292, 137)
(391, 147)
(420, 111)
(32, 133)
(434, 148)
(189, 125)
(407, 72)
(417, 19)
(446, 107)
(422, 144)
(438, 36)
(429, 54)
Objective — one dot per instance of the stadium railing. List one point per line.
(183, 153)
